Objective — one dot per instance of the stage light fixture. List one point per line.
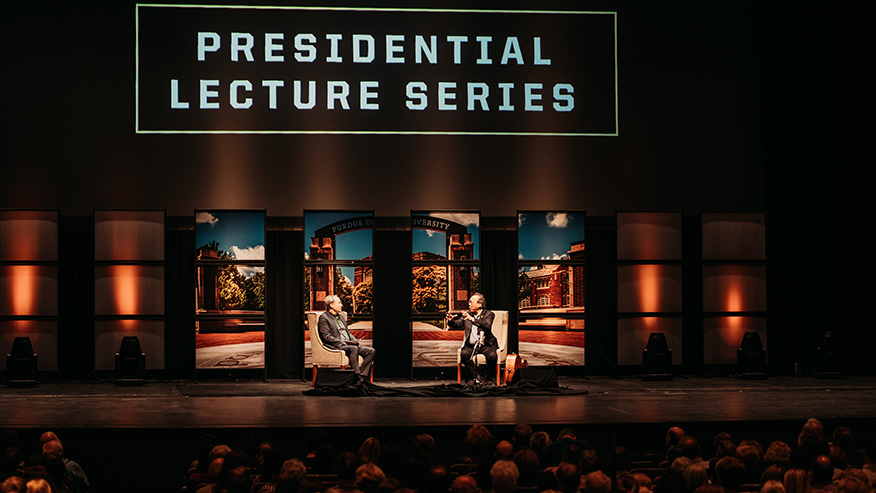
(130, 362)
(830, 357)
(21, 364)
(657, 358)
(751, 358)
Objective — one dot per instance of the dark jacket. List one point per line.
(484, 323)
(329, 333)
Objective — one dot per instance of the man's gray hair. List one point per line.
(480, 298)
(330, 299)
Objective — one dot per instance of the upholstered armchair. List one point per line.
(500, 330)
(323, 356)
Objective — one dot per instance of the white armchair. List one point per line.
(500, 330)
(323, 356)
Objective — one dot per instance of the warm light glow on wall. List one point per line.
(649, 292)
(126, 288)
(27, 290)
(22, 326)
(128, 282)
(649, 288)
(129, 290)
(733, 298)
(24, 289)
(734, 288)
(732, 329)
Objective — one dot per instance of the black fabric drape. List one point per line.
(76, 297)
(392, 303)
(692, 295)
(179, 308)
(519, 389)
(600, 337)
(284, 316)
(499, 277)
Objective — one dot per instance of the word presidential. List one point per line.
(397, 49)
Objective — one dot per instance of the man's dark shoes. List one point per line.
(481, 382)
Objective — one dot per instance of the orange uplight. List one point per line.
(24, 289)
(650, 325)
(126, 290)
(733, 298)
(732, 330)
(23, 326)
(650, 296)
(733, 294)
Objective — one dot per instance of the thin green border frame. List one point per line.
(137, 129)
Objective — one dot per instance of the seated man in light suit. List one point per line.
(479, 338)
(334, 334)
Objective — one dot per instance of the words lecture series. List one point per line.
(363, 51)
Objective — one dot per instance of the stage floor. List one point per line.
(281, 404)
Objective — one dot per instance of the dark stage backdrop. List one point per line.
(706, 92)
(688, 114)
(180, 278)
(284, 347)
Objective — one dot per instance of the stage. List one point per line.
(167, 417)
(188, 404)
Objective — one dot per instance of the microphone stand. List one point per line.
(478, 343)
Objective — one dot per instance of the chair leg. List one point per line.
(458, 373)
(498, 374)
(314, 377)
(371, 373)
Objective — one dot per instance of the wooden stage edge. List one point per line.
(281, 404)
